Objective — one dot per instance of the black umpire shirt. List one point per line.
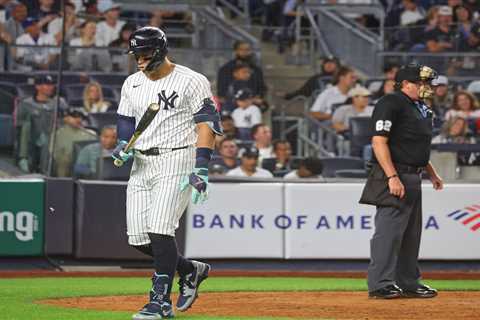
(408, 126)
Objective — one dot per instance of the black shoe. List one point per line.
(389, 292)
(421, 292)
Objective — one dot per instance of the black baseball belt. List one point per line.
(157, 151)
(403, 168)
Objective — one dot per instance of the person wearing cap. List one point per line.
(246, 114)
(359, 108)
(33, 118)
(442, 99)
(330, 66)
(248, 165)
(70, 132)
(29, 58)
(444, 36)
(108, 30)
(402, 135)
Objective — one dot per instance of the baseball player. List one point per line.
(170, 163)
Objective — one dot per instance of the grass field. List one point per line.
(18, 296)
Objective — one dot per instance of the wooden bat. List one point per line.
(144, 122)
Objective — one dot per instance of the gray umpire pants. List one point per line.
(395, 244)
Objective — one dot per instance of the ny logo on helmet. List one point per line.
(133, 42)
(168, 102)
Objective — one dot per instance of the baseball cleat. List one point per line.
(190, 283)
(160, 306)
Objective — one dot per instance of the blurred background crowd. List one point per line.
(63, 123)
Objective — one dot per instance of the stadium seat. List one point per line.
(331, 165)
(14, 77)
(108, 171)
(8, 94)
(74, 92)
(6, 130)
(360, 135)
(109, 79)
(26, 90)
(100, 120)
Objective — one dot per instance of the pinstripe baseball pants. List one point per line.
(154, 200)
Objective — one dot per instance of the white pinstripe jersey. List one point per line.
(180, 94)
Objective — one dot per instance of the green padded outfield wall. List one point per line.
(21, 217)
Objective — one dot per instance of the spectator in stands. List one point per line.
(411, 12)
(467, 27)
(308, 168)
(71, 24)
(388, 86)
(88, 58)
(72, 131)
(34, 117)
(120, 61)
(4, 37)
(390, 71)
(464, 105)
(108, 30)
(338, 93)
(444, 36)
(442, 99)
(243, 55)
(248, 165)
(359, 108)
(246, 114)
(91, 9)
(262, 138)
(35, 58)
(455, 130)
(330, 66)
(281, 163)
(227, 159)
(44, 13)
(228, 125)
(156, 19)
(87, 160)
(93, 98)
(273, 18)
(14, 24)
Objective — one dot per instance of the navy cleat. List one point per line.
(190, 283)
(160, 306)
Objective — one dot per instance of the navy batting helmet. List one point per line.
(149, 41)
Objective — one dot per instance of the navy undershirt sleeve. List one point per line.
(125, 127)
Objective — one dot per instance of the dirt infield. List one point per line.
(313, 305)
(436, 275)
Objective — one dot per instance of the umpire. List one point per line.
(402, 133)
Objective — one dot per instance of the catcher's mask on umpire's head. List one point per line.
(149, 42)
(423, 75)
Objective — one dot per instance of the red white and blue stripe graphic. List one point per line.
(468, 216)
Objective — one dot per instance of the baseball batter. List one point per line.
(170, 164)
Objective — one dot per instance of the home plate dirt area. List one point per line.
(310, 305)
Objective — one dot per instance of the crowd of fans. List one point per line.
(247, 148)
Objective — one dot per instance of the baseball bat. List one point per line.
(144, 122)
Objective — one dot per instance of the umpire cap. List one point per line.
(414, 73)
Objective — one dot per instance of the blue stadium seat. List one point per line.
(6, 130)
(331, 165)
(360, 135)
(8, 94)
(14, 77)
(109, 79)
(108, 171)
(75, 92)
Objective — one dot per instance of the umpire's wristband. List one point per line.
(202, 157)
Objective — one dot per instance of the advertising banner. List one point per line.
(237, 221)
(21, 217)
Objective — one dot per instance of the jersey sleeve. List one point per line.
(199, 91)
(125, 107)
(384, 116)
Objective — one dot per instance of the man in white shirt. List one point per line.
(248, 166)
(308, 168)
(322, 107)
(411, 13)
(108, 30)
(358, 108)
(246, 114)
(262, 137)
(35, 58)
